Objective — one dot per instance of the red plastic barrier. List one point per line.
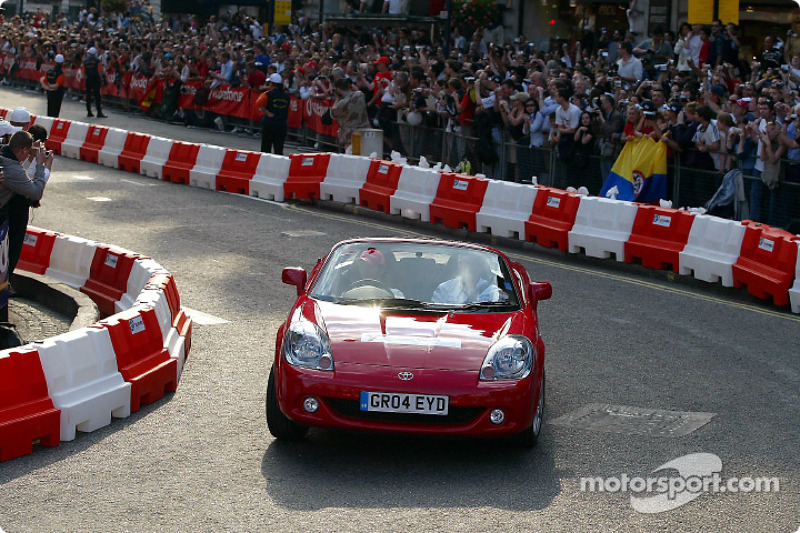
(108, 277)
(36, 249)
(26, 410)
(381, 184)
(183, 325)
(238, 168)
(306, 172)
(182, 158)
(766, 262)
(552, 218)
(141, 357)
(458, 200)
(95, 140)
(3, 112)
(57, 135)
(133, 152)
(658, 237)
(165, 282)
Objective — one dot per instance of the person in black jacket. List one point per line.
(53, 83)
(274, 107)
(91, 72)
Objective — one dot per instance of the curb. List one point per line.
(58, 297)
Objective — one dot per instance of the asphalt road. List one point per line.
(202, 459)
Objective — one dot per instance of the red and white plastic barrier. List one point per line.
(599, 227)
(415, 193)
(78, 380)
(602, 227)
(76, 136)
(505, 209)
(158, 150)
(344, 179)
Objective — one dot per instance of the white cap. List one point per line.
(59, 58)
(6, 128)
(92, 51)
(275, 78)
(19, 115)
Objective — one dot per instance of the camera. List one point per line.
(617, 83)
(650, 114)
(604, 53)
(662, 67)
(793, 116)
(785, 68)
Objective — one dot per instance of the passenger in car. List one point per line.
(471, 284)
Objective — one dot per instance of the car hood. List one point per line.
(452, 341)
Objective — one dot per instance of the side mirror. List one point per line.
(295, 276)
(540, 290)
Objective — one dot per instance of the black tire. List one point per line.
(529, 437)
(279, 425)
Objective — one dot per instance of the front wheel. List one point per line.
(279, 425)
(529, 437)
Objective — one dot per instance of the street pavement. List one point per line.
(202, 459)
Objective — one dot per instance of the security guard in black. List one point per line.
(274, 106)
(91, 71)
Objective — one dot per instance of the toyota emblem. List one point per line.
(405, 376)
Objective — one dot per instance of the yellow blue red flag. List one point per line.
(640, 173)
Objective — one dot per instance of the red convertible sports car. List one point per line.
(416, 336)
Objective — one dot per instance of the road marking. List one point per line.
(204, 319)
(99, 199)
(302, 233)
(138, 183)
(574, 268)
(82, 178)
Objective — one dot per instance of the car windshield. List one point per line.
(416, 275)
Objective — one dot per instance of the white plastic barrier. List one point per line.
(71, 260)
(209, 162)
(271, 173)
(83, 380)
(415, 192)
(345, 177)
(115, 143)
(794, 292)
(140, 274)
(505, 209)
(713, 247)
(46, 122)
(76, 136)
(173, 342)
(157, 154)
(602, 227)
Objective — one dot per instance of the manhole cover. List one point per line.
(302, 233)
(634, 420)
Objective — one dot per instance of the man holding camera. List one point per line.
(19, 149)
(654, 52)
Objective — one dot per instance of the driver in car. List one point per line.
(370, 266)
(471, 283)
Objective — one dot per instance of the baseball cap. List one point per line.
(19, 115)
(495, 79)
(649, 106)
(92, 51)
(384, 60)
(719, 90)
(7, 129)
(373, 257)
(59, 58)
(520, 96)
(275, 78)
(675, 107)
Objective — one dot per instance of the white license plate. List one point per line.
(397, 402)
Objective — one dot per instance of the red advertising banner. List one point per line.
(313, 111)
(28, 71)
(230, 101)
(295, 113)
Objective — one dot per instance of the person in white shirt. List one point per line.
(471, 284)
(630, 68)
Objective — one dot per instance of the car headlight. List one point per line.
(509, 358)
(307, 345)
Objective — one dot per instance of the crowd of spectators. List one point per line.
(491, 102)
